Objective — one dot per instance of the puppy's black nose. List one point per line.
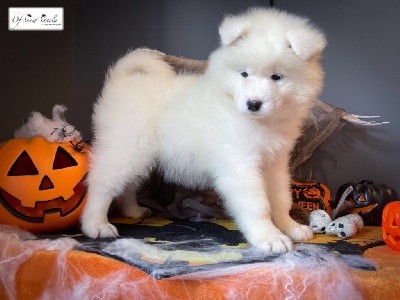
(254, 105)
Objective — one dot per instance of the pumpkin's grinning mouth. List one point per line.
(37, 214)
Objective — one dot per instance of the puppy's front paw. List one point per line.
(101, 230)
(299, 233)
(275, 244)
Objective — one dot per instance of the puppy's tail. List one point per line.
(141, 61)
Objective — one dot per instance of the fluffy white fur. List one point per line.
(200, 131)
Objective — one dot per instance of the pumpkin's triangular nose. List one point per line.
(46, 183)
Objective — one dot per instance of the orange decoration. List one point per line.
(311, 195)
(42, 186)
(391, 225)
(312, 192)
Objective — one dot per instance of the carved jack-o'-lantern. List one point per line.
(312, 192)
(41, 184)
(391, 225)
(366, 199)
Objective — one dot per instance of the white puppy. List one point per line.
(231, 129)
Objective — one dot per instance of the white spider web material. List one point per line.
(306, 272)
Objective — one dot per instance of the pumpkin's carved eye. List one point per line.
(23, 166)
(63, 159)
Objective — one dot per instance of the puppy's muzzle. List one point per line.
(254, 105)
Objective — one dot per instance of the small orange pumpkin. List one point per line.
(42, 185)
(391, 225)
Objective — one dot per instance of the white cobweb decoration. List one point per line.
(358, 120)
(57, 129)
(307, 272)
(17, 246)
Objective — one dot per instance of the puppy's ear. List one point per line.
(232, 29)
(306, 42)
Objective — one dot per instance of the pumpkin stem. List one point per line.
(366, 181)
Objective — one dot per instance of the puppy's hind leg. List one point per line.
(110, 172)
(128, 205)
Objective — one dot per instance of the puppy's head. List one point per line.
(268, 61)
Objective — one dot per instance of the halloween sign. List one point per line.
(311, 195)
(42, 183)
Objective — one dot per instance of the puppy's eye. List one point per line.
(244, 74)
(276, 77)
